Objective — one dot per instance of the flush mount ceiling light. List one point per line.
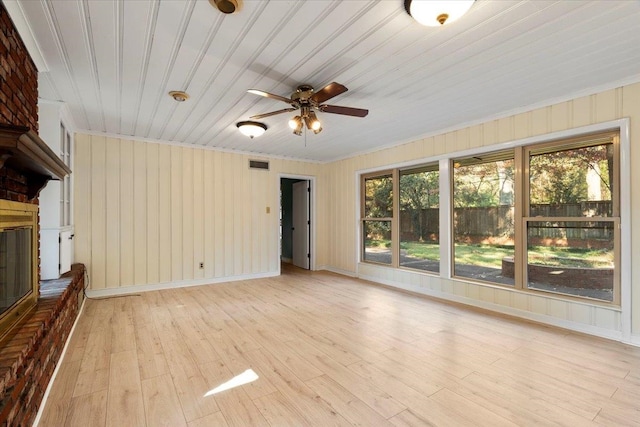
(178, 95)
(435, 13)
(225, 6)
(251, 129)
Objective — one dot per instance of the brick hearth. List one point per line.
(32, 349)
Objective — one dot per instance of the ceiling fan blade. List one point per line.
(328, 92)
(273, 113)
(345, 111)
(270, 95)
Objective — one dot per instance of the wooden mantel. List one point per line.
(23, 150)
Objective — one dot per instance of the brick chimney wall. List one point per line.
(18, 99)
(18, 78)
(30, 352)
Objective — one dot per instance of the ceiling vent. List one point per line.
(258, 164)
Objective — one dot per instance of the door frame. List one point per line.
(312, 217)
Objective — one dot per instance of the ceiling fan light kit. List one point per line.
(251, 129)
(435, 13)
(296, 124)
(308, 101)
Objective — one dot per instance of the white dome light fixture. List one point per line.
(251, 128)
(435, 13)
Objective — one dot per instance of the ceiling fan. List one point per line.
(308, 101)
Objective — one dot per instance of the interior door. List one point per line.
(301, 225)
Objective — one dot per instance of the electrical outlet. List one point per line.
(201, 265)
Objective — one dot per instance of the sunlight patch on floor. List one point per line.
(244, 378)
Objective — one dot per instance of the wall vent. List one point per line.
(258, 164)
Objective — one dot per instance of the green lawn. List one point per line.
(491, 255)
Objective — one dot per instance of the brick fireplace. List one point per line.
(34, 336)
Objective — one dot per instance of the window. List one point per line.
(420, 218)
(572, 220)
(413, 216)
(377, 218)
(483, 216)
(538, 218)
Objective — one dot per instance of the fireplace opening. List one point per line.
(18, 261)
(15, 266)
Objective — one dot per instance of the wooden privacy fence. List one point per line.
(498, 221)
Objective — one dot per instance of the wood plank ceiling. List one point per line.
(113, 63)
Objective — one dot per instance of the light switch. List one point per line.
(268, 209)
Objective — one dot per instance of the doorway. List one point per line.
(295, 222)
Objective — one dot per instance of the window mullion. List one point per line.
(521, 209)
(446, 218)
(395, 220)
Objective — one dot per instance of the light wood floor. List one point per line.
(330, 350)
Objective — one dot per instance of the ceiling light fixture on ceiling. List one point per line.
(251, 128)
(225, 6)
(435, 13)
(179, 95)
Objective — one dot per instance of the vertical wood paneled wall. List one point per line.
(148, 214)
(605, 106)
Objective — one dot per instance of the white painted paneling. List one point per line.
(127, 205)
(631, 108)
(198, 214)
(156, 211)
(176, 224)
(189, 215)
(140, 213)
(113, 211)
(218, 215)
(82, 195)
(209, 222)
(98, 267)
(164, 214)
(152, 161)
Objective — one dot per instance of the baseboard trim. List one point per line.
(45, 396)
(634, 340)
(125, 290)
(535, 317)
(337, 271)
(287, 260)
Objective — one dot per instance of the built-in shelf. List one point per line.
(23, 150)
